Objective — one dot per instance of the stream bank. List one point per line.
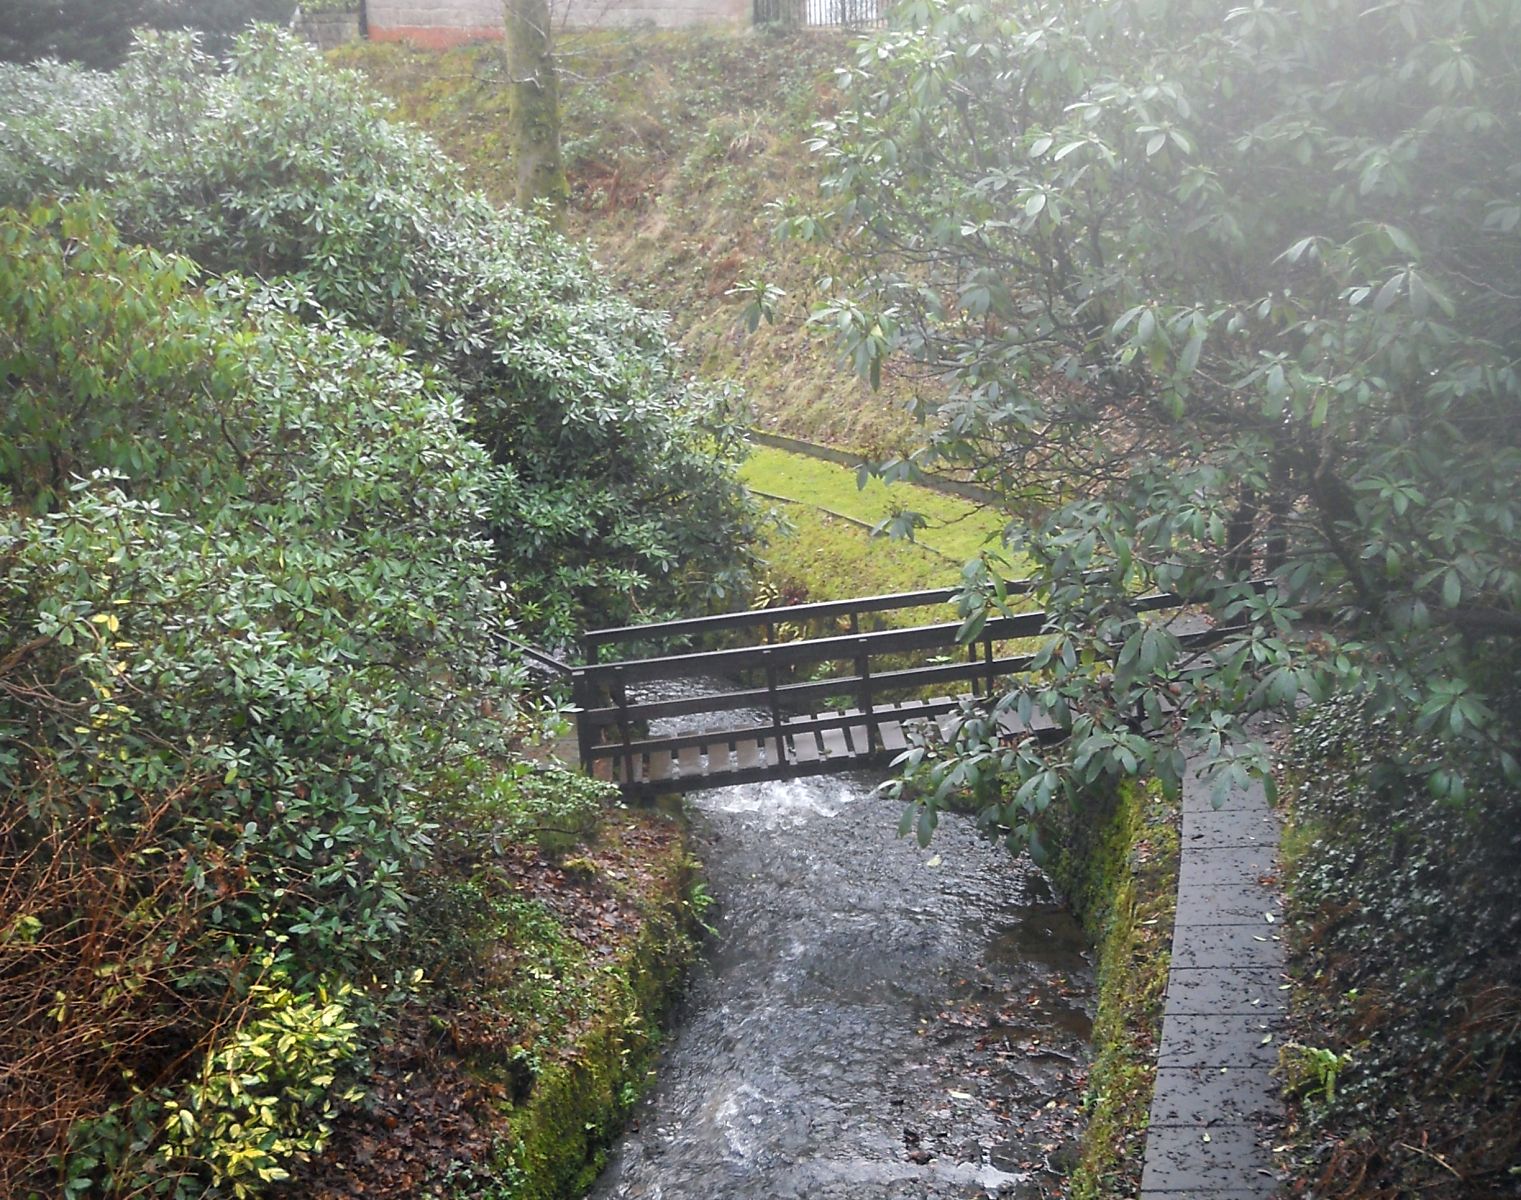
(553, 971)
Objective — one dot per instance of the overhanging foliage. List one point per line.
(1217, 291)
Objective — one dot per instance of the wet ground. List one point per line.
(874, 1021)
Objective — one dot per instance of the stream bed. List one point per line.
(872, 1021)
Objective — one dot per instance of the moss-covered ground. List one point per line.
(826, 549)
(536, 1027)
(955, 529)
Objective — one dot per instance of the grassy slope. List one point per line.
(675, 143)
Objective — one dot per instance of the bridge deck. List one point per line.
(729, 757)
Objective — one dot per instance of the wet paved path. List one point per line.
(1216, 1105)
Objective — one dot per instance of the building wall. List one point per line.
(438, 23)
(326, 30)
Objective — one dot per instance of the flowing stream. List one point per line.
(873, 1021)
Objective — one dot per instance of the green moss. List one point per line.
(825, 558)
(598, 1028)
(559, 1135)
(1118, 866)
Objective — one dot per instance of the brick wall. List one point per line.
(449, 22)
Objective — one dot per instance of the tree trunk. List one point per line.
(534, 119)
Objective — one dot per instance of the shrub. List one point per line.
(97, 933)
(1407, 928)
(265, 1093)
(617, 490)
(245, 619)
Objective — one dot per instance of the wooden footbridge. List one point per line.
(817, 690)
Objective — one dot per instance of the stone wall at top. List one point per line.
(437, 23)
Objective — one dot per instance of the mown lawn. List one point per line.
(958, 529)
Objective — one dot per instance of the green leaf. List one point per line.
(1452, 588)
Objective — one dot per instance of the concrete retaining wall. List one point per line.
(329, 29)
(437, 23)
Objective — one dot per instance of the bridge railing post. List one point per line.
(863, 672)
(582, 696)
(775, 704)
(620, 698)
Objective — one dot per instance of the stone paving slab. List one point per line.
(1200, 1096)
(1225, 1008)
(1237, 1040)
(1236, 827)
(1253, 944)
(1200, 799)
(1226, 864)
(1179, 1159)
(1224, 991)
(1240, 903)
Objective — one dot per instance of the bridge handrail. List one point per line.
(839, 646)
(790, 727)
(593, 640)
(548, 661)
(800, 693)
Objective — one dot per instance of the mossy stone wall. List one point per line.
(560, 1133)
(1117, 865)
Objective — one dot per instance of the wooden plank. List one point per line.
(893, 739)
(1010, 726)
(794, 694)
(842, 647)
(805, 748)
(797, 613)
(720, 755)
(660, 767)
(860, 744)
(689, 758)
(835, 745)
(749, 753)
